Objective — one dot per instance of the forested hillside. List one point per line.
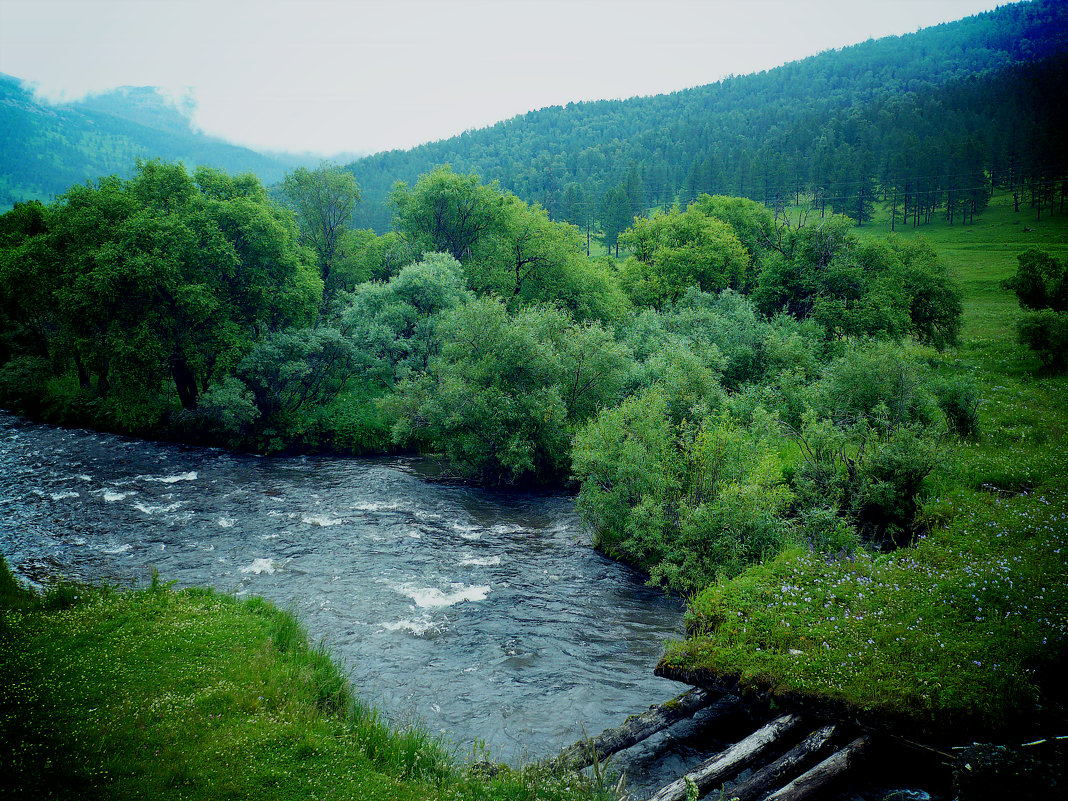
(44, 149)
(930, 121)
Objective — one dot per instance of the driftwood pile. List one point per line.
(799, 760)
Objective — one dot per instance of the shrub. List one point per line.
(1046, 333)
(958, 398)
(1040, 282)
(688, 503)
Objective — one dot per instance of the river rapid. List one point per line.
(485, 616)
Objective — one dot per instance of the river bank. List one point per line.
(191, 694)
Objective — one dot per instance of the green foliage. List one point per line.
(503, 395)
(286, 378)
(686, 502)
(1046, 334)
(680, 249)
(366, 257)
(324, 200)
(1040, 282)
(151, 288)
(869, 443)
(855, 289)
(395, 325)
(958, 398)
(752, 222)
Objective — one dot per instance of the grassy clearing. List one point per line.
(160, 694)
(966, 630)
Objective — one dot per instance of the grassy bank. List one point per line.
(159, 694)
(966, 631)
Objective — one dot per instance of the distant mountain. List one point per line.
(926, 115)
(46, 148)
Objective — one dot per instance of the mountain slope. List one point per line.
(44, 148)
(759, 135)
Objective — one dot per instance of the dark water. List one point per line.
(483, 615)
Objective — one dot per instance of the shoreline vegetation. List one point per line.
(155, 693)
(828, 440)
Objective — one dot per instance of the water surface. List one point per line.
(483, 615)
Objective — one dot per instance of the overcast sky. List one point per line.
(329, 76)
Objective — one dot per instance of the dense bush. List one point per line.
(685, 501)
(1040, 282)
(502, 398)
(1046, 333)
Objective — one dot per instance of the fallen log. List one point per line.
(820, 776)
(774, 773)
(640, 727)
(716, 769)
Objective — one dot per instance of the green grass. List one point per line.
(158, 694)
(967, 629)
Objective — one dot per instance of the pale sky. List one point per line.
(329, 76)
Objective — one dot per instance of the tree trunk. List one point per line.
(640, 727)
(185, 381)
(820, 776)
(715, 770)
(772, 774)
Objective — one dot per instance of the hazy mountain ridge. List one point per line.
(45, 148)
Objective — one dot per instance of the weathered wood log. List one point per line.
(774, 773)
(725, 764)
(640, 727)
(820, 776)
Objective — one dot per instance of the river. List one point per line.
(485, 616)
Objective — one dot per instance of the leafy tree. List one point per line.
(395, 324)
(507, 247)
(1040, 282)
(502, 398)
(1046, 333)
(687, 502)
(679, 249)
(446, 212)
(164, 277)
(616, 216)
(324, 200)
(282, 382)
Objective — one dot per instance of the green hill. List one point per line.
(943, 110)
(45, 149)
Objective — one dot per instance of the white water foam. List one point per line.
(433, 598)
(190, 476)
(226, 522)
(118, 549)
(260, 566)
(321, 520)
(152, 510)
(507, 528)
(424, 627)
(59, 496)
(467, 532)
(379, 507)
(111, 497)
(475, 561)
